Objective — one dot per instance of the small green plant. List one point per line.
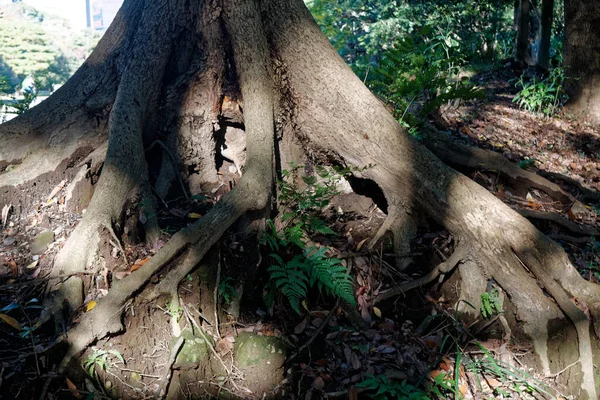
(312, 267)
(102, 359)
(227, 290)
(430, 61)
(296, 268)
(174, 310)
(490, 303)
(543, 95)
(380, 387)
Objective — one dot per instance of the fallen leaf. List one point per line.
(33, 264)
(13, 267)
(121, 274)
(435, 373)
(352, 393)
(90, 306)
(56, 190)
(11, 321)
(73, 388)
(377, 312)
(298, 329)
(194, 215)
(5, 211)
(224, 346)
(139, 264)
(319, 383)
(360, 244)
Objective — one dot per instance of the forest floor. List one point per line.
(413, 345)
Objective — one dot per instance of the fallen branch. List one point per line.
(166, 378)
(460, 254)
(454, 153)
(559, 220)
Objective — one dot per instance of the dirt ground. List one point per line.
(415, 338)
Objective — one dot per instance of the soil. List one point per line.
(412, 338)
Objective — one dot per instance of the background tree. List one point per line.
(165, 70)
(581, 60)
(543, 57)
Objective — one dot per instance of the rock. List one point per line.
(261, 359)
(9, 241)
(194, 350)
(41, 242)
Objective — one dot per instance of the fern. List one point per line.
(330, 275)
(295, 277)
(290, 278)
(490, 303)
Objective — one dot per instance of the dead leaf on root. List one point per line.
(11, 321)
(139, 264)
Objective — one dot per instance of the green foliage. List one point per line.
(420, 73)
(227, 290)
(490, 303)
(102, 359)
(312, 267)
(380, 387)
(528, 162)
(517, 380)
(544, 95)
(297, 268)
(361, 30)
(301, 205)
(38, 45)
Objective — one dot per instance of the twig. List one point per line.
(562, 370)
(317, 332)
(166, 378)
(208, 343)
(459, 254)
(216, 294)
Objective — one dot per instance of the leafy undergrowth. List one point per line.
(413, 347)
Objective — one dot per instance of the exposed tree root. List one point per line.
(456, 154)
(560, 220)
(125, 171)
(404, 229)
(338, 117)
(459, 255)
(251, 193)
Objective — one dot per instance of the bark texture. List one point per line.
(522, 36)
(543, 56)
(193, 70)
(581, 60)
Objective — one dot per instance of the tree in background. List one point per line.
(582, 57)
(38, 45)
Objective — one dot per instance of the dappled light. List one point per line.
(287, 199)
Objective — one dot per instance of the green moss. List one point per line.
(194, 350)
(252, 349)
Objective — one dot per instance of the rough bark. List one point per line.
(581, 60)
(292, 85)
(522, 36)
(543, 56)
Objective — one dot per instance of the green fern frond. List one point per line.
(292, 282)
(330, 275)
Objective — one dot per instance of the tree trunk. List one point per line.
(189, 60)
(543, 56)
(522, 36)
(581, 60)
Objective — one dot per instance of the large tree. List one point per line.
(178, 73)
(581, 60)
